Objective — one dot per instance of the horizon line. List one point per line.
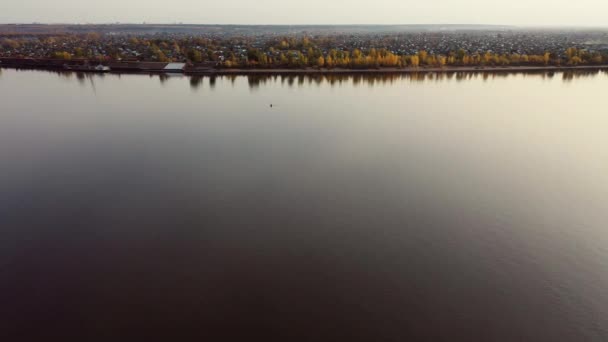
(310, 25)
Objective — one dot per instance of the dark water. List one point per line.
(454, 207)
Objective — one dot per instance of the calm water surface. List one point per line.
(425, 208)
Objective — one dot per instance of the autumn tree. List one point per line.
(415, 61)
(422, 56)
(62, 55)
(320, 62)
(195, 56)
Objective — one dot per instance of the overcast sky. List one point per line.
(515, 12)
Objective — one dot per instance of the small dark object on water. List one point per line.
(271, 105)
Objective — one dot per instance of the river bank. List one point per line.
(151, 68)
(399, 70)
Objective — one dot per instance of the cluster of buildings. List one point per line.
(499, 42)
(218, 45)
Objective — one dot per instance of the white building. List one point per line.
(174, 67)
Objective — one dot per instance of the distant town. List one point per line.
(210, 48)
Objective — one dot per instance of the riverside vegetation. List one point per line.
(299, 51)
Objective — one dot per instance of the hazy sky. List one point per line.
(517, 12)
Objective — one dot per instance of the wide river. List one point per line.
(450, 207)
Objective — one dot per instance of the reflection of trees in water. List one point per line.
(336, 79)
(196, 81)
(232, 79)
(81, 77)
(569, 75)
(255, 81)
(291, 80)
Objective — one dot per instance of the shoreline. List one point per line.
(395, 70)
(313, 71)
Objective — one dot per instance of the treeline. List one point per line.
(272, 53)
(382, 58)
